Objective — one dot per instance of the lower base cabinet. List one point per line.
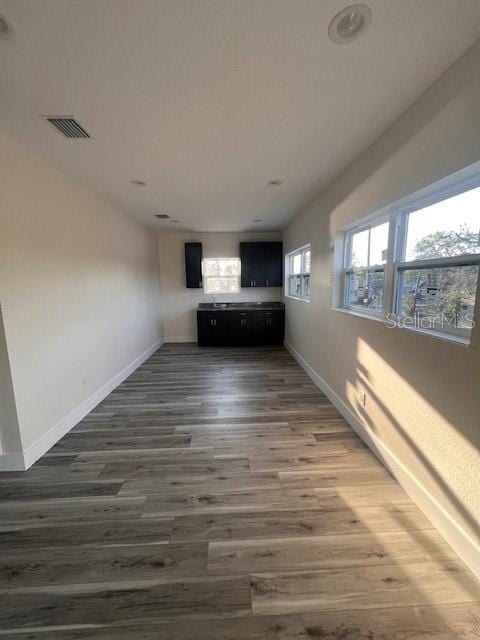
(240, 328)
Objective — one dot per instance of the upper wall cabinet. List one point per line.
(193, 265)
(262, 264)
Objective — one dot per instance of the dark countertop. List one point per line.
(241, 306)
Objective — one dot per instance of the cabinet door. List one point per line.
(213, 329)
(259, 263)
(245, 329)
(193, 265)
(222, 330)
(204, 329)
(247, 260)
(273, 323)
(278, 326)
(253, 257)
(273, 264)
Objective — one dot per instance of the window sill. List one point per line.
(438, 335)
(362, 314)
(307, 300)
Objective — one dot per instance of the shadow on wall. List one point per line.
(385, 419)
(430, 105)
(10, 440)
(446, 376)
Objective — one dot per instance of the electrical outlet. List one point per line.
(362, 396)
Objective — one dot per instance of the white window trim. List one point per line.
(397, 215)
(366, 223)
(205, 278)
(300, 250)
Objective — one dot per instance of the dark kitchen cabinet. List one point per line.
(214, 329)
(258, 270)
(246, 328)
(274, 264)
(193, 265)
(273, 327)
(240, 328)
(252, 264)
(262, 264)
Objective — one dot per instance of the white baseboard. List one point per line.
(22, 461)
(462, 543)
(178, 339)
(12, 462)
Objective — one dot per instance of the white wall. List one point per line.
(79, 293)
(10, 439)
(423, 400)
(178, 302)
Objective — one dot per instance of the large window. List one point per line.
(221, 275)
(297, 273)
(416, 266)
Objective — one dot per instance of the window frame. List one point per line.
(396, 264)
(288, 273)
(206, 278)
(363, 225)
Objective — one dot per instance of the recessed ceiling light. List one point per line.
(138, 183)
(274, 183)
(6, 29)
(350, 23)
(162, 216)
(257, 220)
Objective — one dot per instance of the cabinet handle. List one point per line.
(267, 283)
(254, 284)
(251, 283)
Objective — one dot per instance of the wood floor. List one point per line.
(218, 495)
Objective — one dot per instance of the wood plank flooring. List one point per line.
(217, 495)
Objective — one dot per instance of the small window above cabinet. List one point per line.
(261, 264)
(193, 265)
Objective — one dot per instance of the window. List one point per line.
(417, 263)
(221, 275)
(297, 274)
(366, 254)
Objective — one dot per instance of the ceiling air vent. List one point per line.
(68, 126)
(162, 216)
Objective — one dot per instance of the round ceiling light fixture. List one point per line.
(350, 23)
(6, 29)
(274, 183)
(138, 183)
(257, 220)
